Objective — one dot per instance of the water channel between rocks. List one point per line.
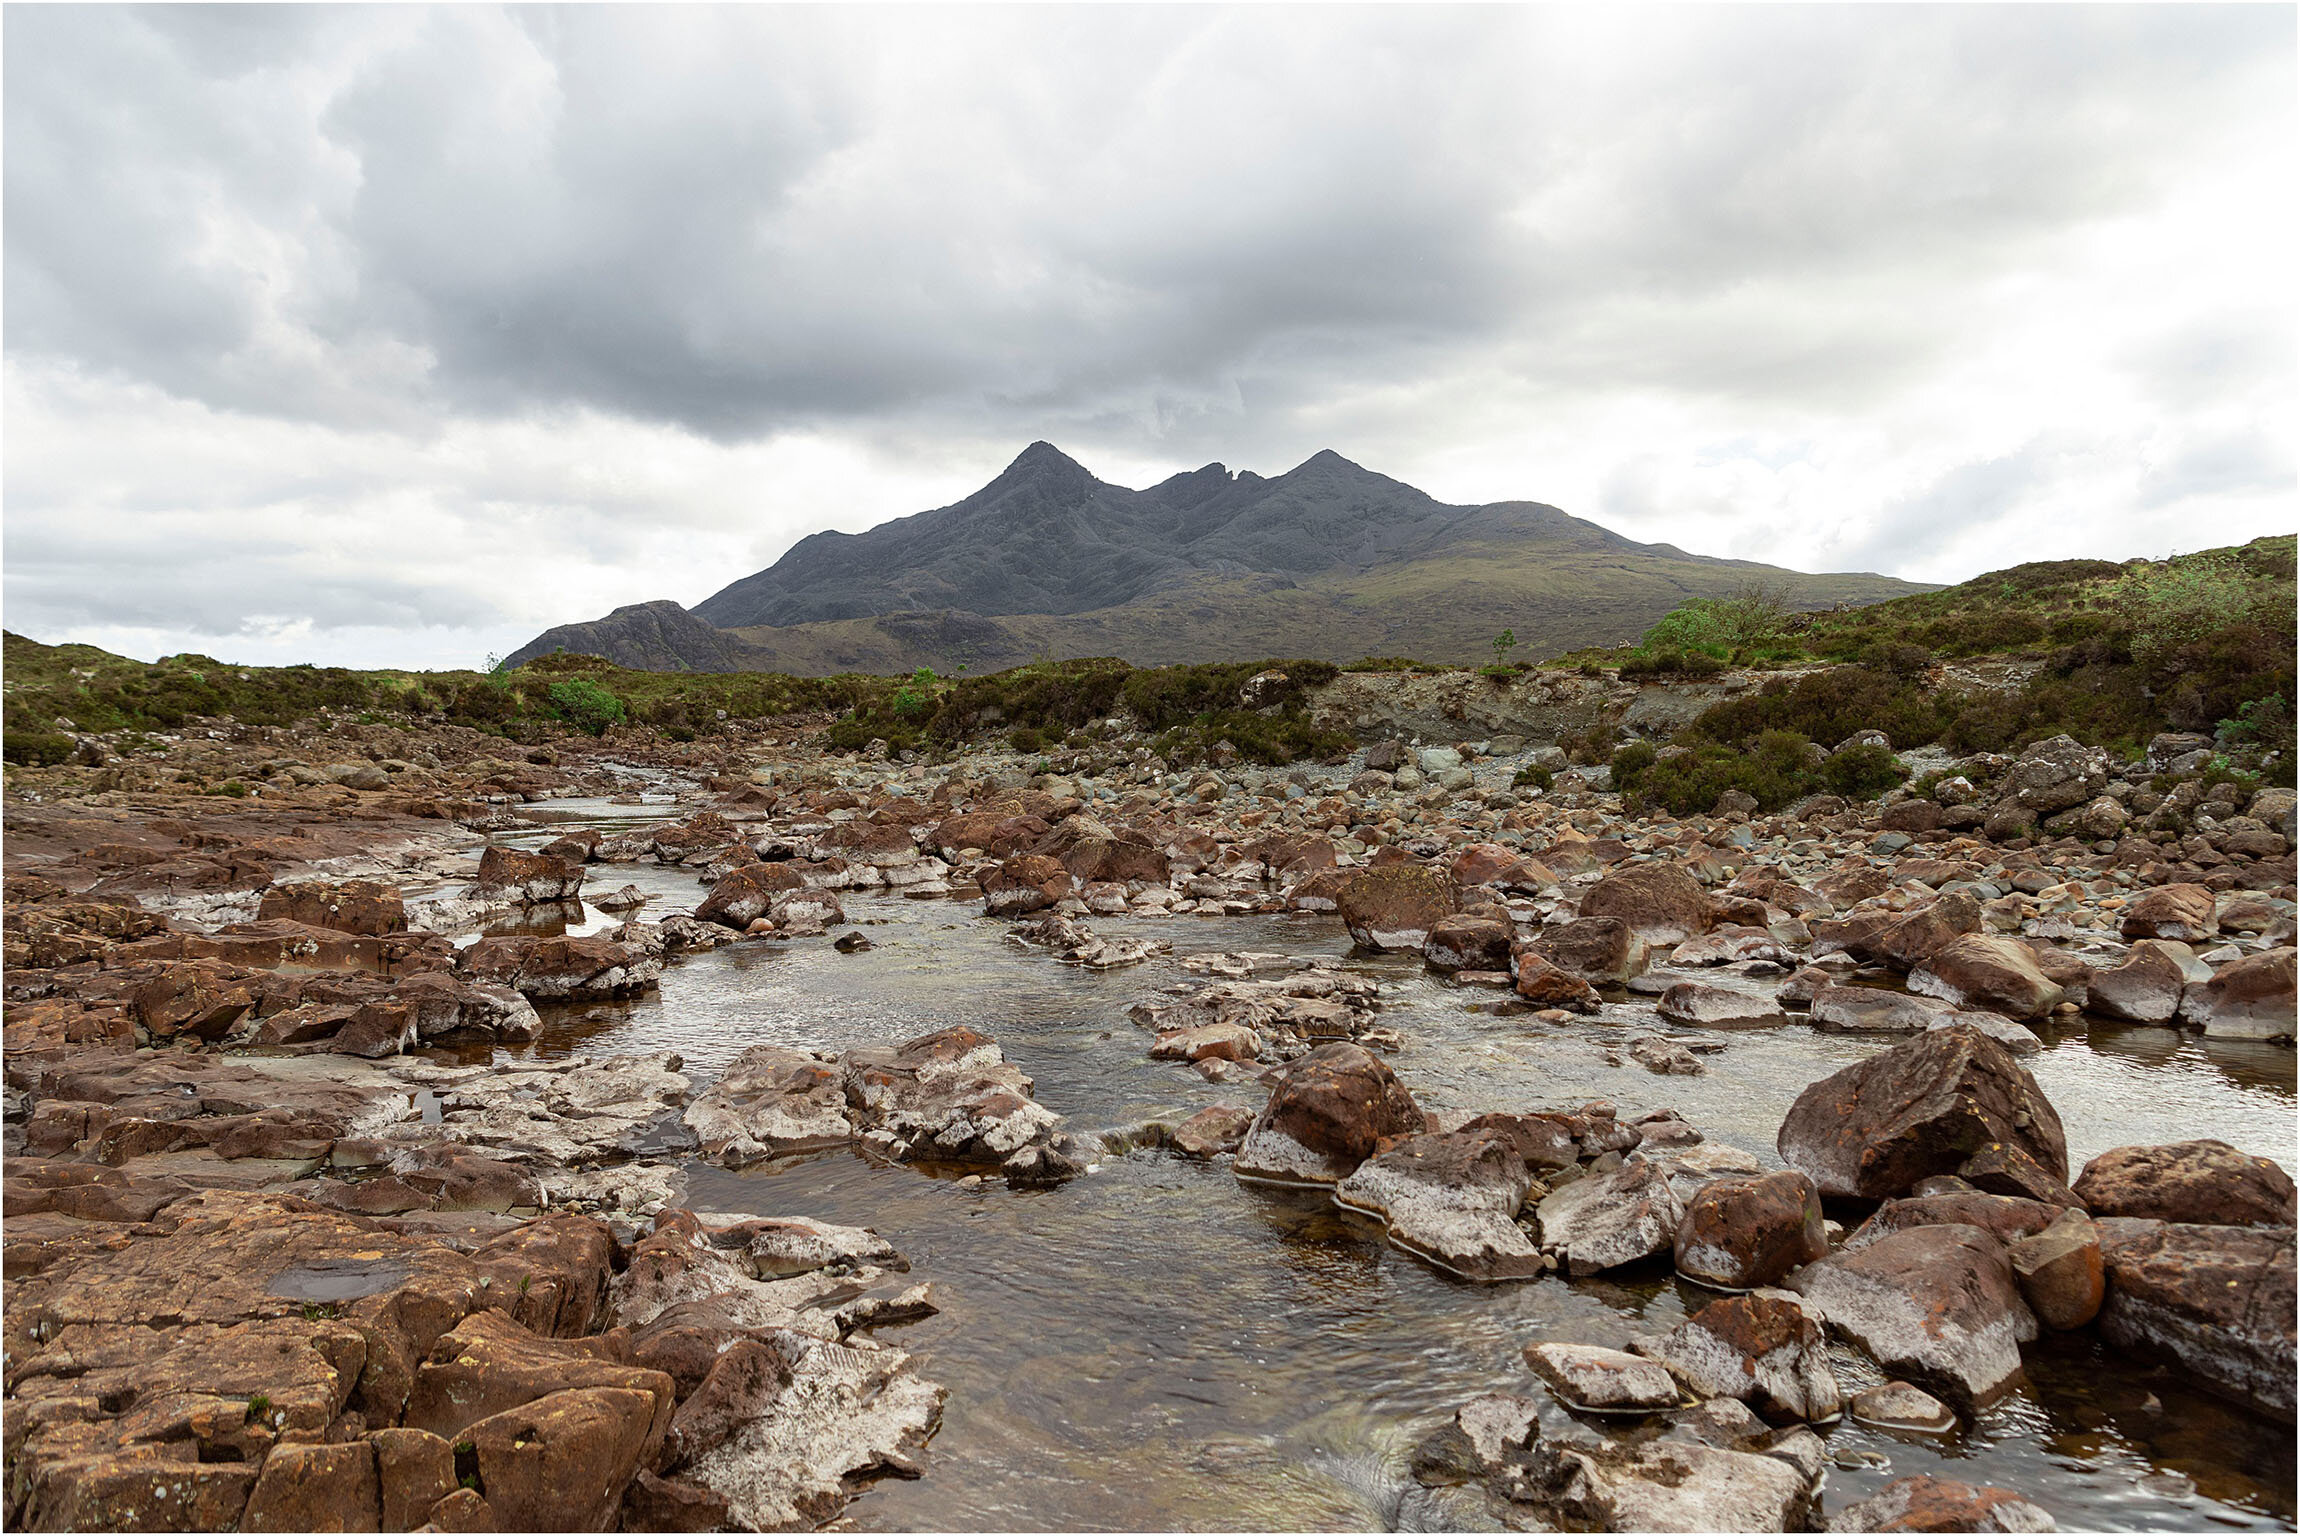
(1155, 1346)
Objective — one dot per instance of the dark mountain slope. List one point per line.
(1328, 559)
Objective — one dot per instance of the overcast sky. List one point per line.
(393, 335)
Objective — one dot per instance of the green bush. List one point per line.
(1773, 772)
(585, 705)
(1536, 776)
(1672, 663)
(1629, 765)
(1690, 627)
(1863, 772)
(1026, 740)
(35, 749)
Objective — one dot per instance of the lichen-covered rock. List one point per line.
(349, 906)
(2217, 1300)
(1938, 1305)
(1740, 1233)
(1765, 1349)
(1605, 1220)
(1927, 1503)
(1661, 903)
(2206, 1183)
(1597, 1380)
(1327, 1113)
(1451, 1198)
(1397, 906)
(1926, 1107)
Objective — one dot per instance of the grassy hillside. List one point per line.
(2111, 654)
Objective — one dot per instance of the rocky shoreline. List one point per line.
(289, 1243)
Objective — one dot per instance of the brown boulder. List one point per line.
(1766, 1349)
(1210, 1132)
(1548, 986)
(2205, 1183)
(1987, 973)
(2219, 1301)
(744, 894)
(1925, 1107)
(1661, 903)
(2248, 999)
(488, 1364)
(1466, 943)
(1741, 1233)
(349, 906)
(414, 1471)
(1397, 906)
(2146, 985)
(1603, 950)
(1937, 1305)
(530, 877)
(2060, 1271)
(1026, 882)
(1328, 1112)
(2183, 912)
(316, 1488)
(1928, 1503)
(561, 1462)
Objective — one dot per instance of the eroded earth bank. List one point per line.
(747, 1136)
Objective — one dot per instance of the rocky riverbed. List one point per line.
(762, 1138)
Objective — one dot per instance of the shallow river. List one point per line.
(1156, 1346)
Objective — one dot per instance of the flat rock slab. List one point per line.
(1596, 1380)
(1605, 1220)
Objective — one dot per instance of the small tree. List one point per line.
(1503, 644)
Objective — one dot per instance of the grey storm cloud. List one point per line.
(536, 281)
(734, 220)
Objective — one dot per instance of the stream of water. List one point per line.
(1156, 1346)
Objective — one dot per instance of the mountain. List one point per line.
(1329, 559)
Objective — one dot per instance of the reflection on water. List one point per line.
(1156, 1346)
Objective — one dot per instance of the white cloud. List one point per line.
(378, 332)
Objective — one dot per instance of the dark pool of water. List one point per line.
(1155, 1346)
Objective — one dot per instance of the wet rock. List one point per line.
(747, 893)
(1764, 1349)
(2004, 1217)
(2016, 1038)
(2248, 999)
(1465, 942)
(1740, 1233)
(1657, 1053)
(1026, 882)
(1666, 1485)
(560, 968)
(2146, 985)
(1839, 1009)
(1074, 943)
(1898, 1405)
(570, 1113)
(2219, 1301)
(1596, 1380)
(953, 1097)
(348, 906)
(1988, 973)
(1549, 986)
(2186, 913)
(847, 1412)
(2205, 1183)
(488, 1364)
(561, 1462)
(2060, 1271)
(1212, 1131)
(1925, 1107)
(1927, 1503)
(1327, 1112)
(528, 879)
(1597, 949)
(806, 912)
(1450, 1198)
(1605, 1220)
(1714, 1007)
(1488, 1441)
(1731, 946)
(1225, 1042)
(1938, 1305)
(1661, 903)
(1397, 906)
